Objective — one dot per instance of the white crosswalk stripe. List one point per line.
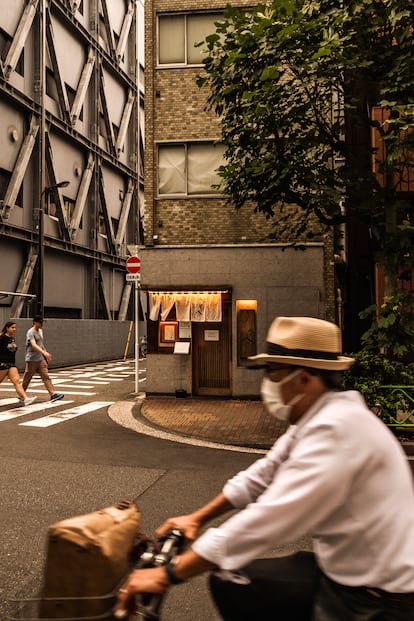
(62, 385)
(8, 401)
(82, 382)
(64, 415)
(76, 382)
(17, 411)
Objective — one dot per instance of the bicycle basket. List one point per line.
(61, 609)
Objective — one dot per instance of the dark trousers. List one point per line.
(280, 589)
(335, 602)
(292, 588)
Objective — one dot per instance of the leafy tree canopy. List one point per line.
(290, 80)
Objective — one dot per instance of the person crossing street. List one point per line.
(37, 358)
(8, 366)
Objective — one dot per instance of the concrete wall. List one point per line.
(79, 341)
(169, 373)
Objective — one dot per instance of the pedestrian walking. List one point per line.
(338, 474)
(8, 349)
(37, 358)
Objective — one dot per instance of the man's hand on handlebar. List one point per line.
(154, 573)
(151, 580)
(188, 524)
(156, 569)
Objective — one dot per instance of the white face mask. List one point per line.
(273, 400)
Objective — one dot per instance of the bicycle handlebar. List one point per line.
(156, 554)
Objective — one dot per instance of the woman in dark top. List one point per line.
(8, 367)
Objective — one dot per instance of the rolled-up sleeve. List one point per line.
(249, 484)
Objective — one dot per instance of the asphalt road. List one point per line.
(85, 461)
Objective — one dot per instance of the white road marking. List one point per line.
(30, 409)
(79, 392)
(116, 374)
(60, 417)
(77, 385)
(83, 382)
(97, 382)
(82, 375)
(8, 401)
(92, 380)
(42, 391)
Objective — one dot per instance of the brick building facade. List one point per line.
(198, 246)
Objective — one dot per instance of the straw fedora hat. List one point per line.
(305, 342)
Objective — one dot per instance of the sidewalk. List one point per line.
(226, 421)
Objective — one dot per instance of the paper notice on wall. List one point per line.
(184, 329)
(211, 335)
(182, 348)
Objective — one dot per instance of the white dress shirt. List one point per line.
(339, 475)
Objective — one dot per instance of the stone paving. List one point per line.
(229, 421)
(234, 422)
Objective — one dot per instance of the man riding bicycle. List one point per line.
(337, 474)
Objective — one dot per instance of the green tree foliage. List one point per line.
(387, 385)
(294, 83)
(392, 329)
(285, 81)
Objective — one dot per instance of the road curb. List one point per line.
(122, 413)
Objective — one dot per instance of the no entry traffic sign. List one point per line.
(133, 265)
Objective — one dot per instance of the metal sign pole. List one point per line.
(136, 337)
(133, 266)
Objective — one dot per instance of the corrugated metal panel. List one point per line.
(84, 101)
(212, 358)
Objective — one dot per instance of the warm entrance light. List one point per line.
(246, 305)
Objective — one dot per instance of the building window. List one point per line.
(246, 330)
(102, 124)
(69, 207)
(51, 88)
(5, 43)
(77, 5)
(71, 97)
(101, 225)
(102, 32)
(5, 177)
(189, 168)
(178, 35)
(115, 225)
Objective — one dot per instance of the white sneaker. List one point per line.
(29, 400)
